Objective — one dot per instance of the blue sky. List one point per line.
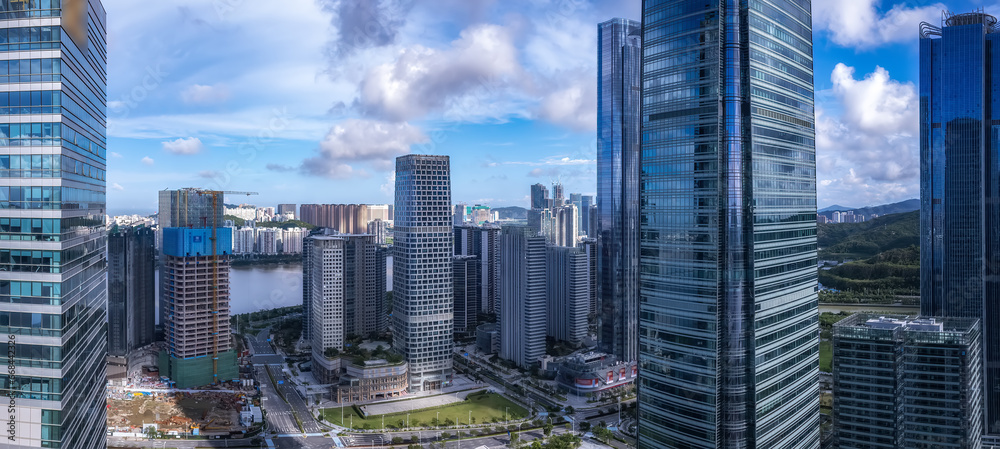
(309, 101)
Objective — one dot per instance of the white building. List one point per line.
(267, 241)
(523, 304)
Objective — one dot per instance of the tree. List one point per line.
(445, 435)
(414, 439)
(397, 440)
(150, 432)
(602, 433)
(570, 410)
(547, 429)
(584, 426)
(331, 352)
(514, 440)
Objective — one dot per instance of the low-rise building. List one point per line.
(594, 374)
(372, 380)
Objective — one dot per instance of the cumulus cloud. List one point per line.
(870, 151)
(191, 145)
(574, 106)
(859, 23)
(422, 80)
(389, 187)
(362, 24)
(366, 141)
(198, 94)
(148, 160)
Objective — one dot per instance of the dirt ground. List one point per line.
(211, 412)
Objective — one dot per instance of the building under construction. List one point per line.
(194, 289)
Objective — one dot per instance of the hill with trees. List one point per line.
(884, 258)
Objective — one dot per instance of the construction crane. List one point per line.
(216, 194)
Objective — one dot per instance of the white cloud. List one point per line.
(389, 188)
(869, 152)
(191, 145)
(859, 23)
(574, 106)
(199, 94)
(117, 186)
(423, 80)
(147, 160)
(352, 141)
(115, 154)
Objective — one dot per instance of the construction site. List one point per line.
(202, 413)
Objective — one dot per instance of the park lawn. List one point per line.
(485, 408)
(826, 356)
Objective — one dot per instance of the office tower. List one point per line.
(131, 289)
(902, 383)
(576, 199)
(345, 218)
(589, 245)
(585, 202)
(618, 185)
(460, 214)
(287, 209)
(558, 195)
(568, 294)
(53, 294)
(959, 185)
(566, 227)
(422, 278)
(523, 304)
(539, 197)
(468, 272)
(483, 242)
(728, 332)
(346, 293)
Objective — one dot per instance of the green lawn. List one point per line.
(485, 408)
(826, 356)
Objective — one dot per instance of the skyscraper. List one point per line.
(423, 242)
(131, 289)
(52, 208)
(539, 197)
(901, 383)
(568, 294)
(585, 202)
(522, 317)
(468, 287)
(618, 54)
(558, 196)
(346, 293)
(960, 184)
(728, 333)
(483, 242)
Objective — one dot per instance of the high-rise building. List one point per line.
(576, 199)
(423, 241)
(267, 241)
(346, 293)
(379, 212)
(728, 332)
(483, 242)
(960, 185)
(460, 214)
(379, 228)
(53, 293)
(287, 209)
(195, 280)
(523, 305)
(590, 246)
(907, 383)
(345, 218)
(568, 294)
(619, 51)
(131, 289)
(539, 197)
(585, 202)
(567, 226)
(467, 275)
(558, 195)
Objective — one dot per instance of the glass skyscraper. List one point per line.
(960, 183)
(53, 287)
(423, 247)
(728, 332)
(618, 55)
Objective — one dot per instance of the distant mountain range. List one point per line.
(885, 209)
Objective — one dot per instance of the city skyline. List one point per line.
(511, 144)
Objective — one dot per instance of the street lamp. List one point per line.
(407, 420)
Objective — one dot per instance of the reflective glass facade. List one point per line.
(423, 247)
(728, 332)
(618, 47)
(960, 183)
(53, 289)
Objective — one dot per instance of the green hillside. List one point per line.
(886, 256)
(839, 241)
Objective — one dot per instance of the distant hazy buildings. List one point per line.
(540, 197)
(379, 229)
(728, 335)
(901, 383)
(285, 209)
(568, 294)
(346, 293)
(467, 274)
(619, 52)
(344, 218)
(423, 242)
(131, 289)
(960, 186)
(523, 305)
